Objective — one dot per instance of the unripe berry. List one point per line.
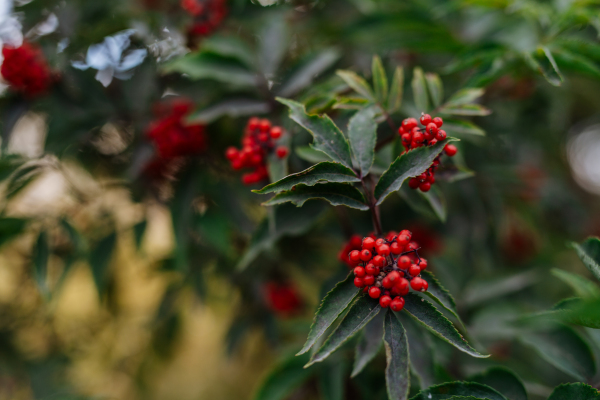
(365, 255)
(384, 301)
(425, 186)
(417, 284)
(397, 304)
(438, 121)
(432, 128)
(413, 270)
(354, 256)
(282, 151)
(379, 261)
(374, 292)
(450, 150)
(384, 250)
(360, 272)
(404, 262)
(425, 119)
(358, 282)
(369, 280)
(423, 264)
(276, 132)
(395, 248)
(368, 243)
(440, 135)
(413, 183)
(371, 269)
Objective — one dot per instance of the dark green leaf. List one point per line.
(337, 194)
(575, 62)
(407, 165)
(357, 83)
(397, 377)
(99, 260)
(582, 286)
(362, 133)
(439, 294)
(229, 46)
(396, 91)
(436, 89)
(458, 127)
(419, 88)
(273, 43)
(437, 202)
(545, 64)
(181, 217)
(41, 253)
(231, 107)
(10, 228)
(327, 136)
(311, 155)
(362, 310)
(504, 381)
(574, 391)
(565, 349)
(305, 75)
(464, 97)
(466, 110)
(369, 344)
(283, 379)
(589, 253)
(448, 390)
(138, 230)
(574, 311)
(350, 103)
(482, 290)
(332, 380)
(421, 354)
(333, 304)
(380, 82)
(320, 173)
(424, 312)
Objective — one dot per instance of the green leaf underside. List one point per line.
(338, 194)
(357, 83)
(419, 87)
(565, 349)
(440, 294)
(283, 379)
(424, 312)
(574, 391)
(504, 381)
(362, 133)
(380, 82)
(363, 310)
(589, 253)
(467, 389)
(396, 352)
(369, 344)
(407, 165)
(322, 172)
(326, 135)
(582, 286)
(396, 90)
(332, 305)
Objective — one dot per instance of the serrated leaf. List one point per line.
(380, 82)
(436, 88)
(504, 381)
(232, 107)
(574, 391)
(320, 173)
(447, 390)
(362, 310)
(396, 91)
(407, 165)
(563, 348)
(574, 311)
(356, 82)
(397, 377)
(419, 88)
(589, 253)
(464, 96)
(421, 356)
(458, 127)
(305, 75)
(333, 304)
(424, 312)
(337, 194)
(311, 155)
(40, 255)
(327, 136)
(283, 379)
(362, 134)
(582, 286)
(369, 344)
(473, 110)
(439, 294)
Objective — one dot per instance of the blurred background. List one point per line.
(135, 262)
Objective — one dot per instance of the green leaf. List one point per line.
(396, 91)
(274, 38)
(283, 379)
(563, 348)
(311, 155)
(10, 228)
(337, 194)
(504, 381)
(436, 89)
(575, 62)
(421, 356)
(357, 83)
(589, 253)
(362, 310)
(397, 377)
(231, 107)
(99, 260)
(380, 82)
(333, 304)
(327, 136)
(320, 173)
(369, 344)
(305, 75)
(545, 64)
(332, 380)
(582, 286)
(458, 127)
(409, 164)
(229, 46)
(574, 391)
(41, 253)
(350, 103)
(447, 390)
(424, 312)
(278, 167)
(435, 198)
(419, 88)
(474, 110)
(439, 294)
(479, 291)
(362, 133)
(464, 97)
(138, 230)
(574, 311)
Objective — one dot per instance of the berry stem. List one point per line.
(372, 207)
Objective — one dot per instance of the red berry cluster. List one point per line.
(169, 133)
(208, 15)
(355, 243)
(25, 69)
(413, 137)
(388, 268)
(282, 299)
(258, 142)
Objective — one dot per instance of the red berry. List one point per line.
(440, 135)
(368, 243)
(379, 242)
(282, 151)
(384, 250)
(264, 125)
(425, 119)
(401, 130)
(413, 270)
(425, 186)
(395, 248)
(232, 153)
(409, 123)
(425, 286)
(379, 261)
(360, 272)
(406, 233)
(413, 183)
(365, 255)
(417, 137)
(375, 292)
(412, 246)
(432, 128)
(276, 132)
(369, 280)
(431, 179)
(387, 282)
(397, 304)
(406, 138)
(253, 123)
(432, 142)
(391, 235)
(354, 256)
(358, 282)
(393, 276)
(371, 269)
(402, 286)
(450, 150)
(355, 241)
(417, 284)
(404, 262)
(384, 301)
(423, 264)
(263, 137)
(438, 121)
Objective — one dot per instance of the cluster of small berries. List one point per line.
(282, 298)
(413, 137)
(25, 69)
(169, 133)
(208, 15)
(386, 268)
(258, 142)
